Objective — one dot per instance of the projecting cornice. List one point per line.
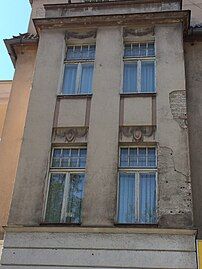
(137, 19)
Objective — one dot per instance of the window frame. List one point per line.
(67, 172)
(136, 171)
(139, 60)
(79, 63)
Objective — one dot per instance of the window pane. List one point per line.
(151, 49)
(143, 50)
(82, 159)
(124, 162)
(92, 52)
(135, 50)
(148, 198)
(142, 157)
(151, 158)
(130, 77)
(55, 198)
(147, 77)
(86, 78)
(133, 157)
(75, 198)
(126, 198)
(127, 50)
(56, 158)
(81, 52)
(69, 83)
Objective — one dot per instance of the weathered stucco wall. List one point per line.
(196, 10)
(100, 190)
(5, 88)
(175, 199)
(14, 127)
(27, 199)
(193, 56)
(100, 248)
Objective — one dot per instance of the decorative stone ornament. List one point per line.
(84, 35)
(70, 134)
(136, 133)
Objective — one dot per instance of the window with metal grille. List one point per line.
(66, 184)
(137, 185)
(139, 68)
(78, 71)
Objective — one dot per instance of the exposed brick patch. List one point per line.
(178, 106)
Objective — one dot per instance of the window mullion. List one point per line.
(78, 77)
(65, 199)
(136, 197)
(139, 76)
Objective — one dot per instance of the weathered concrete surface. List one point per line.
(28, 193)
(100, 190)
(103, 250)
(175, 199)
(193, 56)
(5, 89)
(14, 126)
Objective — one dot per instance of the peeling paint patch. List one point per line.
(178, 106)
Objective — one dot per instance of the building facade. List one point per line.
(102, 165)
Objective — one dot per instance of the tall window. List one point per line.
(137, 185)
(139, 68)
(78, 73)
(66, 184)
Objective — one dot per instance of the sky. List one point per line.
(14, 19)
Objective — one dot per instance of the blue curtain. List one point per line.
(147, 198)
(126, 198)
(147, 77)
(130, 77)
(69, 82)
(75, 198)
(55, 198)
(86, 78)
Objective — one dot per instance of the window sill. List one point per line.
(74, 96)
(138, 94)
(44, 224)
(125, 225)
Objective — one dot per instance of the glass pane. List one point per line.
(70, 53)
(65, 152)
(148, 198)
(86, 78)
(151, 158)
(69, 83)
(124, 157)
(74, 160)
(55, 198)
(92, 52)
(82, 159)
(75, 198)
(133, 157)
(126, 198)
(148, 77)
(135, 50)
(130, 77)
(85, 52)
(151, 49)
(56, 152)
(143, 50)
(56, 162)
(127, 50)
(142, 157)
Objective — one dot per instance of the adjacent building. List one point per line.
(105, 173)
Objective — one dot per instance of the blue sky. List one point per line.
(14, 18)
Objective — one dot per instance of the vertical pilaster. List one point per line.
(101, 179)
(27, 199)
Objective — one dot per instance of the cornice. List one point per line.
(150, 18)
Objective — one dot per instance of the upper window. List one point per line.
(137, 185)
(139, 68)
(66, 185)
(78, 73)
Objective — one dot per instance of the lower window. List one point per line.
(66, 186)
(137, 185)
(137, 198)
